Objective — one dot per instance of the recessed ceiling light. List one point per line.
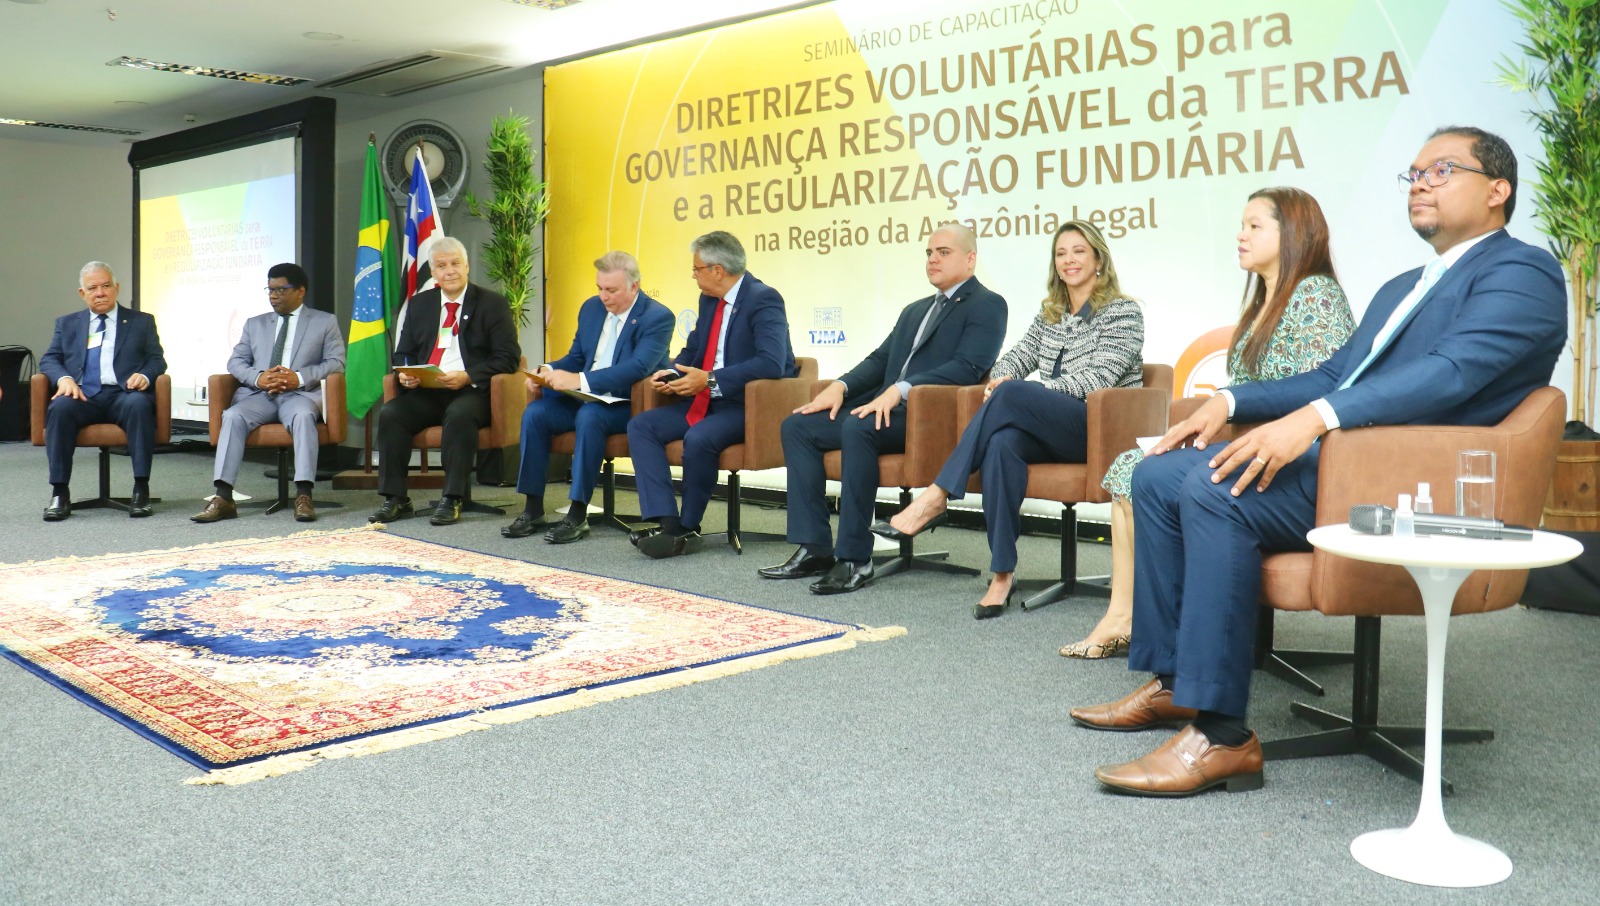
(75, 127)
(129, 103)
(544, 4)
(30, 2)
(321, 36)
(236, 75)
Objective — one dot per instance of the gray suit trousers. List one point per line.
(299, 412)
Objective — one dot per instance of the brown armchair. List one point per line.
(1117, 415)
(105, 436)
(508, 396)
(766, 404)
(331, 430)
(931, 436)
(1359, 466)
(616, 445)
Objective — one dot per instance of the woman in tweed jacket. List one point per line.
(1086, 336)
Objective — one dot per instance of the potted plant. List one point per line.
(1560, 67)
(515, 210)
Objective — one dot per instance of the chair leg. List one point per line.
(1361, 734)
(906, 559)
(608, 501)
(1288, 665)
(734, 535)
(283, 482)
(284, 470)
(1068, 584)
(104, 500)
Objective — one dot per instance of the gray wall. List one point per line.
(64, 205)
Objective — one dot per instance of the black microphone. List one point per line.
(1376, 519)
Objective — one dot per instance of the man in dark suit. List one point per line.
(280, 361)
(466, 332)
(104, 362)
(950, 337)
(741, 335)
(622, 336)
(1461, 341)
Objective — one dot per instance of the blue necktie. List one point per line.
(90, 385)
(1430, 276)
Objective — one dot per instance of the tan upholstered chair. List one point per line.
(766, 404)
(508, 396)
(616, 446)
(931, 436)
(104, 436)
(1117, 415)
(331, 430)
(1375, 465)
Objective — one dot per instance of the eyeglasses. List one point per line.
(278, 290)
(1436, 175)
(704, 267)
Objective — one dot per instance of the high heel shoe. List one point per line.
(990, 611)
(883, 529)
(1110, 648)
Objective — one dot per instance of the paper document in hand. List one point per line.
(426, 375)
(594, 397)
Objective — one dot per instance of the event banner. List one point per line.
(835, 139)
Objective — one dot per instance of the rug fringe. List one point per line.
(279, 765)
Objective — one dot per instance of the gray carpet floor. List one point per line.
(938, 767)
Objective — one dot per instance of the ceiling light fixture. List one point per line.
(544, 4)
(74, 127)
(321, 36)
(236, 75)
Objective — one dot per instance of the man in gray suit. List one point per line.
(280, 362)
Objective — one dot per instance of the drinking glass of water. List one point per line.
(1475, 483)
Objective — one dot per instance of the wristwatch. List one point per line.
(711, 382)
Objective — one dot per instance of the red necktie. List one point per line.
(702, 400)
(450, 322)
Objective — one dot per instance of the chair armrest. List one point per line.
(39, 387)
(817, 387)
(931, 435)
(508, 396)
(1116, 417)
(767, 402)
(968, 399)
(220, 389)
(335, 407)
(164, 409)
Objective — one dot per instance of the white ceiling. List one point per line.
(53, 66)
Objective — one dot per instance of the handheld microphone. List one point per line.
(1376, 519)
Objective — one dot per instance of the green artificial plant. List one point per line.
(514, 212)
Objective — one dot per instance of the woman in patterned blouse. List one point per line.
(1087, 336)
(1295, 316)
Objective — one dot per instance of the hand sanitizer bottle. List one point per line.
(1403, 525)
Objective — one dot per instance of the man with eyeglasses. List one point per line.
(1459, 342)
(280, 362)
(103, 363)
(741, 335)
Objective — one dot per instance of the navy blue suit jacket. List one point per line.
(757, 342)
(488, 337)
(641, 347)
(1485, 336)
(138, 347)
(958, 347)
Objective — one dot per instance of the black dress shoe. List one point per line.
(659, 545)
(59, 509)
(990, 611)
(565, 532)
(524, 525)
(883, 529)
(393, 508)
(844, 578)
(639, 534)
(448, 512)
(800, 565)
(139, 505)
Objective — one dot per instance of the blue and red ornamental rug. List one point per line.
(256, 658)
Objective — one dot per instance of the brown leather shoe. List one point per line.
(303, 510)
(216, 510)
(1186, 764)
(1148, 706)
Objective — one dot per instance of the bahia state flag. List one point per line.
(423, 227)
(376, 276)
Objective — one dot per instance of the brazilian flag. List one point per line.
(377, 291)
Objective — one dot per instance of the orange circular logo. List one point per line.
(1203, 366)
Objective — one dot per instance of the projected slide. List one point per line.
(209, 228)
(832, 140)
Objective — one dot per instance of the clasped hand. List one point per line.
(693, 380)
(278, 379)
